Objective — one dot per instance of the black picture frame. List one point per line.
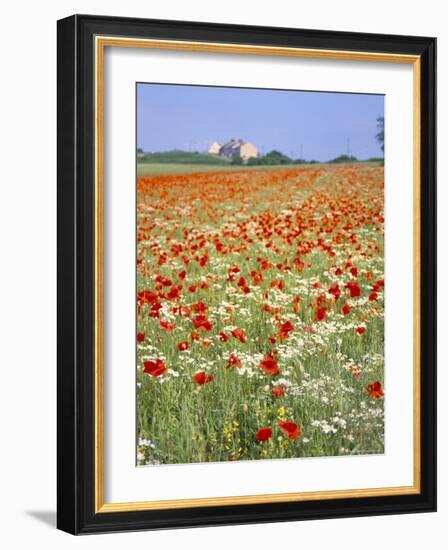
(76, 255)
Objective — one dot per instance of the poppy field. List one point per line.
(260, 314)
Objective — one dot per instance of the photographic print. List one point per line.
(225, 232)
(260, 274)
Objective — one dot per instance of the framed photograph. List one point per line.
(246, 274)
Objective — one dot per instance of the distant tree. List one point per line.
(343, 158)
(254, 161)
(380, 135)
(140, 151)
(275, 157)
(237, 160)
(374, 159)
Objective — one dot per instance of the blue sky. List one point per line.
(320, 125)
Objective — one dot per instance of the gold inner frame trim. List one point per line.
(101, 42)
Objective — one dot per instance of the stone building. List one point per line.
(235, 148)
(214, 148)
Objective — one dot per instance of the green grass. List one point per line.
(182, 157)
(155, 169)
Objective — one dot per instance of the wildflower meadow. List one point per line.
(260, 314)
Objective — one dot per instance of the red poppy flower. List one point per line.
(373, 297)
(199, 307)
(290, 429)
(278, 391)
(375, 390)
(233, 361)
(354, 289)
(156, 307)
(239, 334)
(354, 271)
(174, 293)
(183, 311)
(146, 297)
(242, 282)
(269, 365)
(201, 378)
(346, 309)
(296, 304)
(154, 368)
(201, 321)
(223, 336)
(167, 326)
(163, 280)
(263, 434)
(182, 346)
(182, 275)
(140, 337)
(360, 330)
(321, 314)
(257, 278)
(278, 283)
(335, 291)
(379, 284)
(285, 329)
(300, 264)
